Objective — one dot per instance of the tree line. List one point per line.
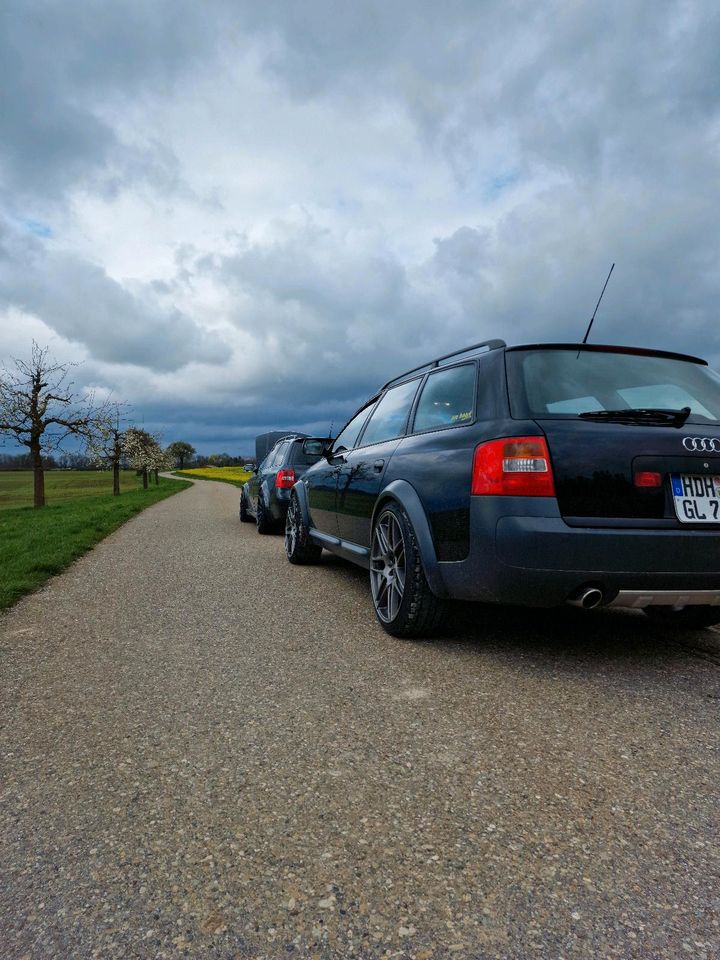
(40, 410)
(182, 455)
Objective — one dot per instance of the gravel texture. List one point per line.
(207, 752)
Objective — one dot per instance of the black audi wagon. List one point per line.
(266, 494)
(541, 474)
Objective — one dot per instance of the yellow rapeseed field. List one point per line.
(236, 475)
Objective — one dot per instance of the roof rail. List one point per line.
(484, 346)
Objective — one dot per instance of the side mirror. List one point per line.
(315, 448)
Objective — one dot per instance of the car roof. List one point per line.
(487, 346)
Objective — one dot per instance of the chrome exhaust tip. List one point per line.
(587, 598)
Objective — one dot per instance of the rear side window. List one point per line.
(447, 399)
(348, 438)
(390, 415)
(275, 457)
(300, 459)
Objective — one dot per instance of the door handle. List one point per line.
(378, 465)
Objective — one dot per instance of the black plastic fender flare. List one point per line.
(300, 491)
(405, 494)
(264, 494)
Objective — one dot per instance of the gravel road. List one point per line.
(209, 753)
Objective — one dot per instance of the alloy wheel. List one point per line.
(387, 567)
(292, 528)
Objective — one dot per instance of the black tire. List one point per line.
(262, 521)
(403, 601)
(688, 618)
(244, 515)
(298, 546)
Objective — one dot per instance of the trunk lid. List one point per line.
(595, 465)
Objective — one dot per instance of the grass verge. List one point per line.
(234, 475)
(37, 544)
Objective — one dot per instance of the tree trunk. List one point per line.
(116, 479)
(157, 479)
(145, 478)
(38, 476)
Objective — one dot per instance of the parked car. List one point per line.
(265, 496)
(542, 475)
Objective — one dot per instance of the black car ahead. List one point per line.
(542, 474)
(266, 494)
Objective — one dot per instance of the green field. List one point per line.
(36, 544)
(16, 486)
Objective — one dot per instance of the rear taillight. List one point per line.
(285, 479)
(513, 467)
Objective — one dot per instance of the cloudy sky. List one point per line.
(245, 216)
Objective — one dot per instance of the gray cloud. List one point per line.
(390, 181)
(576, 86)
(64, 69)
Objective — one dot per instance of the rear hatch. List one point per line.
(634, 436)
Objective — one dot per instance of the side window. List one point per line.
(279, 455)
(447, 399)
(390, 415)
(346, 440)
(274, 457)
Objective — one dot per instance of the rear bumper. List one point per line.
(537, 559)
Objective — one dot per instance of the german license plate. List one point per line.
(697, 499)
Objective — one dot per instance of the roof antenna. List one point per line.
(587, 332)
(332, 424)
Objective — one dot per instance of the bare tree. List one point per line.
(39, 409)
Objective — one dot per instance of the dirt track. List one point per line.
(207, 752)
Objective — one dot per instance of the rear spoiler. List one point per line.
(605, 348)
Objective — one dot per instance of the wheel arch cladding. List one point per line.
(300, 491)
(404, 494)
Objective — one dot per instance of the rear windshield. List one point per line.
(299, 459)
(561, 383)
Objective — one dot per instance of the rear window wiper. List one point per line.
(653, 416)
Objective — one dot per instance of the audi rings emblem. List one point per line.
(702, 444)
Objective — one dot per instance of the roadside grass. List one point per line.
(37, 544)
(234, 475)
(16, 486)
